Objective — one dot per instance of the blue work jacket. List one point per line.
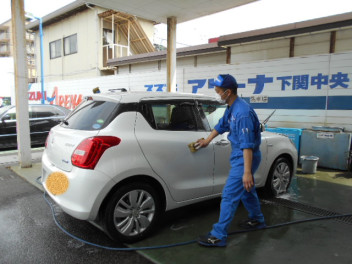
(243, 126)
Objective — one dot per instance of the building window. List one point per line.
(3, 48)
(107, 37)
(55, 49)
(70, 44)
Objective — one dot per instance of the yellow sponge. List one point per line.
(194, 146)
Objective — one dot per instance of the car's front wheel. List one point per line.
(279, 177)
(132, 212)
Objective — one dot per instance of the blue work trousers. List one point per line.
(233, 193)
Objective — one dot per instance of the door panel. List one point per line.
(45, 117)
(188, 175)
(8, 134)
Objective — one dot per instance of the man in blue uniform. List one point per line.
(243, 126)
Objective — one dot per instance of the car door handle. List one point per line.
(222, 142)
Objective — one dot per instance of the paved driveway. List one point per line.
(28, 231)
(29, 234)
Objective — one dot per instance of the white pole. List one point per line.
(21, 83)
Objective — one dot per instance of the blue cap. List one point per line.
(226, 81)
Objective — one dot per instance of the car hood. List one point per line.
(61, 144)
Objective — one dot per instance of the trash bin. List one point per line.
(309, 164)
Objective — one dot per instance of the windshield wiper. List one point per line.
(64, 122)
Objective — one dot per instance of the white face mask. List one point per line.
(219, 99)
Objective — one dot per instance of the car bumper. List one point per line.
(84, 194)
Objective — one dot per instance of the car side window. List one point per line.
(213, 111)
(11, 114)
(176, 116)
(45, 111)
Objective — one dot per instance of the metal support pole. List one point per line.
(41, 54)
(21, 83)
(171, 54)
(41, 58)
(113, 36)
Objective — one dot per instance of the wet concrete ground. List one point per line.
(29, 231)
(324, 241)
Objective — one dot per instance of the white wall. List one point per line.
(148, 28)
(263, 50)
(84, 63)
(304, 45)
(88, 61)
(140, 67)
(301, 106)
(185, 61)
(343, 40)
(201, 60)
(312, 44)
(298, 104)
(211, 59)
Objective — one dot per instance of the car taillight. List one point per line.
(89, 151)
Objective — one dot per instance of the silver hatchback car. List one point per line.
(121, 159)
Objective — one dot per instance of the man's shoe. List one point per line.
(252, 224)
(211, 241)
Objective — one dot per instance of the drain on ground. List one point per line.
(306, 209)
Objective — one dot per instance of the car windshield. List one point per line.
(91, 115)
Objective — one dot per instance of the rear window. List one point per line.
(92, 115)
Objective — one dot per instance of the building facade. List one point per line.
(79, 39)
(301, 70)
(327, 35)
(6, 48)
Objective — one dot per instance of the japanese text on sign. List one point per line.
(294, 82)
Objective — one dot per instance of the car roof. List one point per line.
(52, 105)
(134, 97)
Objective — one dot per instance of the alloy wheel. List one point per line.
(281, 177)
(134, 212)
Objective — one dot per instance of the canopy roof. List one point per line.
(160, 10)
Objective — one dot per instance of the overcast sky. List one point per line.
(261, 14)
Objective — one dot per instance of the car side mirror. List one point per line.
(262, 127)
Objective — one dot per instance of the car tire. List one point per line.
(132, 212)
(279, 177)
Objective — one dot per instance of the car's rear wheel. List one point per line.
(279, 177)
(132, 212)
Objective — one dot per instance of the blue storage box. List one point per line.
(293, 133)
